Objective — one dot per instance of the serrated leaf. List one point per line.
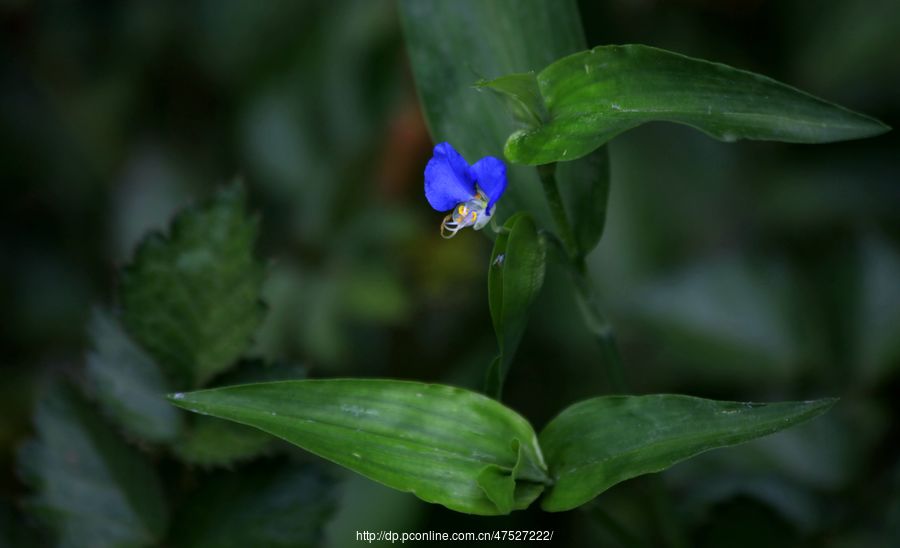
(594, 95)
(267, 504)
(515, 278)
(212, 443)
(128, 383)
(91, 488)
(192, 298)
(434, 441)
(598, 443)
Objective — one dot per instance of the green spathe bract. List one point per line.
(515, 277)
(598, 443)
(592, 96)
(444, 444)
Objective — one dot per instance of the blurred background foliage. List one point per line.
(754, 271)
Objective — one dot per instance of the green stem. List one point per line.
(604, 334)
(600, 328)
(547, 173)
(596, 322)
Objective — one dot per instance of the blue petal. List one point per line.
(448, 179)
(490, 174)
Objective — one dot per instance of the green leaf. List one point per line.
(446, 445)
(267, 504)
(453, 44)
(594, 95)
(92, 488)
(192, 298)
(210, 442)
(584, 186)
(128, 384)
(598, 443)
(515, 278)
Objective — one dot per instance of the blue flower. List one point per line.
(470, 191)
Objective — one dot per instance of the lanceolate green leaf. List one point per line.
(445, 445)
(592, 96)
(598, 443)
(192, 298)
(92, 488)
(210, 442)
(515, 277)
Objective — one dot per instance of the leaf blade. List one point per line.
(211, 443)
(192, 299)
(431, 440)
(600, 442)
(92, 488)
(594, 95)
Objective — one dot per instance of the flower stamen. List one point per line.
(471, 213)
(450, 226)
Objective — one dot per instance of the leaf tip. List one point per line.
(880, 127)
(868, 126)
(824, 404)
(179, 399)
